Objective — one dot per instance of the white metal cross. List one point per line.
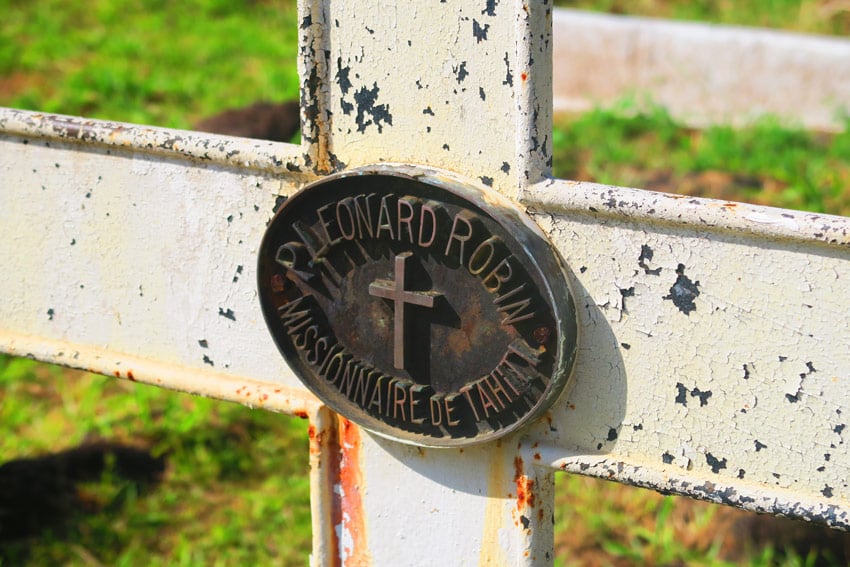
(712, 359)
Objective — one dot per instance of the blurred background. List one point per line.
(99, 471)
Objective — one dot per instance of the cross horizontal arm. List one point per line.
(710, 341)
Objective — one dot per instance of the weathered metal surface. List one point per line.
(468, 91)
(712, 360)
(421, 307)
(480, 505)
(126, 246)
(701, 73)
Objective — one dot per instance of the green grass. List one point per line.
(767, 163)
(235, 491)
(150, 62)
(809, 16)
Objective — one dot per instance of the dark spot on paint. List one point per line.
(368, 29)
(365, 100)
(509, 77)
(821, 468)
(683, 292)
(207, 360)
(793, 399)
(741, 473)
(746, 372)
(624, 293)
(598, 446)
(612, 434)
(73, 241)
(811, 367)
(203, 343)
(715, 463)
(646, 254)
(583, 269)
(50, 314)
(703, 396)
(481, 93)
(446, 147)
(782, 358)
(278, 203)
(460, 72)
(525, 522)
(827, 491)
(593, 209)
(506, 167)
(478, 32)
(488, 181)
(346, 106)
(638, 427)
(227, 314)
(681, 395)
(626, 346)
(88, 195)
(428, 111)
(57, 165)
(760, 446)
(335, 162)
(667, 458)
(238, 272)
(306, 22)
(839, 428)
(229, 219)
(490, 8)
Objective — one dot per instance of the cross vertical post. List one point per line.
(466, 88)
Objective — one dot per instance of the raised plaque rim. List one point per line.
(539, 253)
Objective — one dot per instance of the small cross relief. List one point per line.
(395, 291)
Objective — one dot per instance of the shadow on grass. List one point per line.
(42, 495)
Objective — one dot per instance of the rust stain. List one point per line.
(524, 487)
(300, 413)
(524, 77)
(354, 546)
(315, 440)
(117, 374)
(130, 376)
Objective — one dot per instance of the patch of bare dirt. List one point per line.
(18, 83)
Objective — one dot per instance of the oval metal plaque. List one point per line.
(419, 307)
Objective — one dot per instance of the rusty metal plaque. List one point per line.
(419, 307)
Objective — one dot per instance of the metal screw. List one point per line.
(541, 334)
